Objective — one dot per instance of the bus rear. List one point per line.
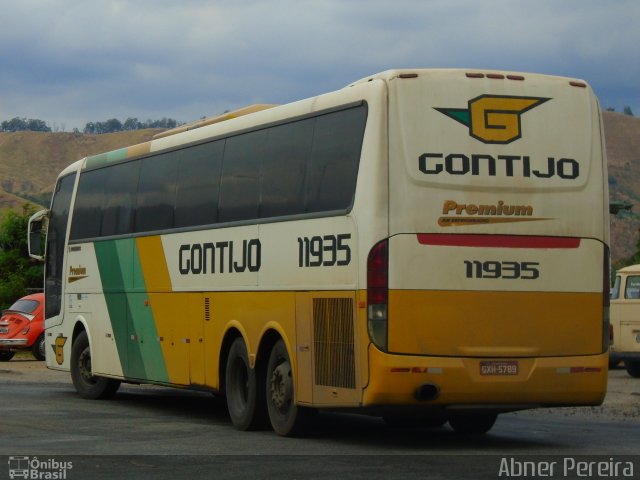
(490, 292)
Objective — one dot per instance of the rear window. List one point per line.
(25, 306)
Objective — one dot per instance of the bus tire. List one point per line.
(87, 385)
(245, 397)
(38, 348)
(287, 419)
(633, 368)
(473, 423)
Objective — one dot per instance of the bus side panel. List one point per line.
(328, 355)
(103, 315)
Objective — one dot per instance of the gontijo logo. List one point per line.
(494, 118)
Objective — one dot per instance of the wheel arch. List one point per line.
(230, 335)
(79, 327)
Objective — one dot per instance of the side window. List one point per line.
(58, 219)
(632, 287)
(304, 166)
(337, 145)
(198, 184)
(156, 193)
(284, 169)
(121, 183)
(87, 212)
(615, 290)
(241, 172)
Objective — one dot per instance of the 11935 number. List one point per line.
(504, 270)
(325, 251)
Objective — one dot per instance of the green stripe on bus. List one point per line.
(113, 289)
(132, 321)
(145, 325)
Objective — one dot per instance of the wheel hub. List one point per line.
(84, 364)
(281, 387)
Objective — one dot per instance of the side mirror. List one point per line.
(37, 234)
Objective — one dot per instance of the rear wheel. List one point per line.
(473, 423)
(287, 418)
(87, 385)
(6, 355)
(633, 368)
(38, 348)
(245, 397)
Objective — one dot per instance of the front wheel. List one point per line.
(473, 424)
(6, 355)
(633, 368)
(87, 385)
(38, 348)
(287, 418)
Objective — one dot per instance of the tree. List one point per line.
(35, 125)
(112, 125)
(132, 123)
(17, 124)
(18, 274)
(627, 110)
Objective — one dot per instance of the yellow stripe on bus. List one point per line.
(154, 264)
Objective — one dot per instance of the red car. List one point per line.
(22, 328)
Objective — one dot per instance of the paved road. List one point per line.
(158, 432)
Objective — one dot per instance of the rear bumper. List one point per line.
(14, 342)
(545, 381)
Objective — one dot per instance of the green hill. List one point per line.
(31, 161)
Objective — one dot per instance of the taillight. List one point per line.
(610, 334)
(606, 325)
(378, 293)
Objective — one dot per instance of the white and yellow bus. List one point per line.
(425, 245)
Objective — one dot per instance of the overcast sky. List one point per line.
(69, 62)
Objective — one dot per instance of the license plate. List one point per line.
(499, 367)
(4, 330)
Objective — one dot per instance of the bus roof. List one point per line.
(218, 118)
(470, 73)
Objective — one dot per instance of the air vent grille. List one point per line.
(333, 342)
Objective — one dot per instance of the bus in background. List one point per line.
(426, 245)
(625, 319)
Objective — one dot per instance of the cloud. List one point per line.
(71, 61)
